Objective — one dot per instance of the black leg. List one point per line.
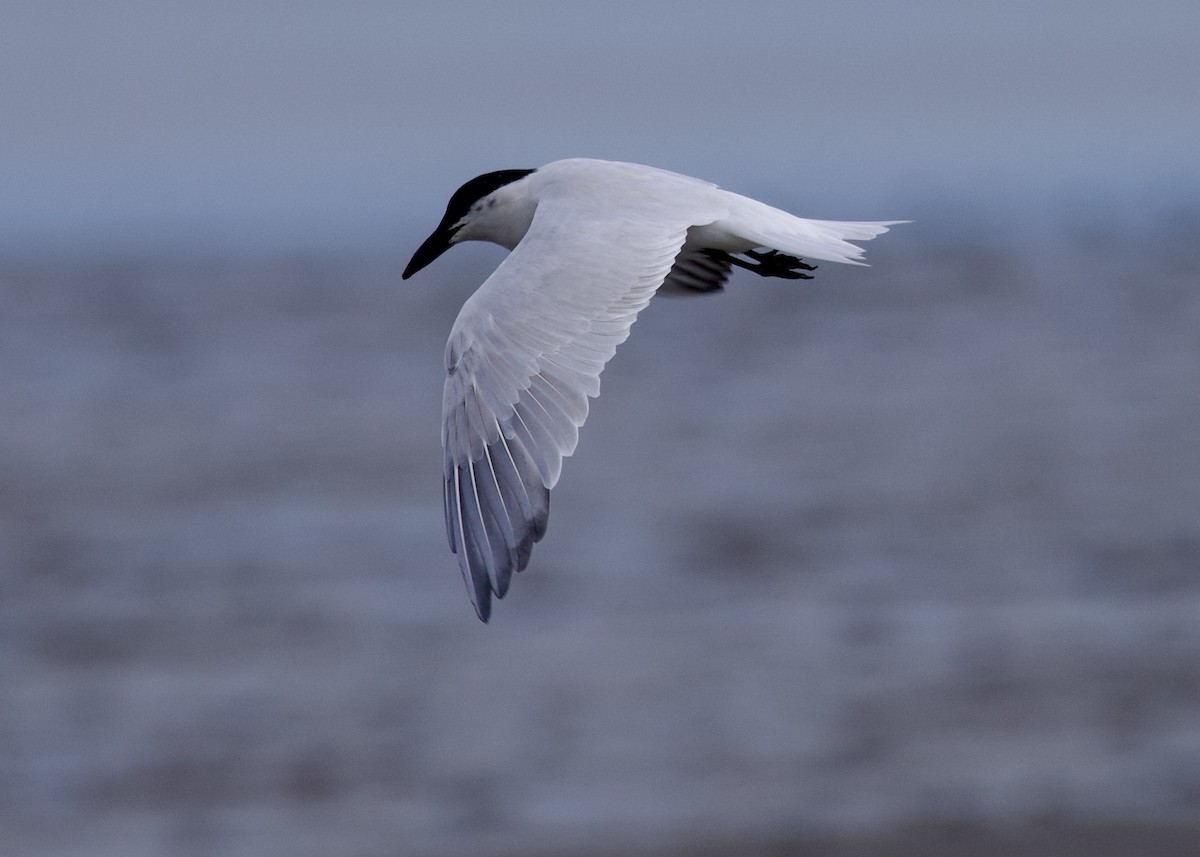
(770, 263)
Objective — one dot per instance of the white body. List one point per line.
(592, 242)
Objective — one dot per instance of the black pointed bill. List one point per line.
(434, 246)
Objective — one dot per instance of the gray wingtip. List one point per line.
(488, 553)
(483, 607)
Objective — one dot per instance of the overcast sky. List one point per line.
(280, 123)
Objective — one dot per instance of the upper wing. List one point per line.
(524, 355)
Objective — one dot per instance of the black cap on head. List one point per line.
(460, 203)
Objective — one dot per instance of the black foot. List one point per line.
(772, 263)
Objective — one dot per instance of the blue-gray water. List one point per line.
(903, 560)
(907, 546)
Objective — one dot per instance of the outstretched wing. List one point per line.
(524, 355)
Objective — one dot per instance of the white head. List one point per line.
(483, 209)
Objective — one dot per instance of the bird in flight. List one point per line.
(592, 241)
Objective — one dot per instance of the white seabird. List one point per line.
(591, 241)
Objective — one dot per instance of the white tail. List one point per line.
(828, 240)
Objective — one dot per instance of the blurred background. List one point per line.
(903, 560)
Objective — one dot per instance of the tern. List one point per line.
(591, 242)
